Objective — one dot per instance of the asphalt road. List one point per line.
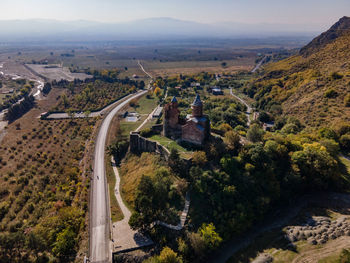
(249, 109)
(99, 213)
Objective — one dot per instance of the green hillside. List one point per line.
(314, 85)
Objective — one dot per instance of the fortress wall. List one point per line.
(139, 144)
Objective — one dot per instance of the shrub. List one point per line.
(199, 158)
(328, 133)
(344, 142)
(146, 132)
(255, 133)
(347, 100)
(330, 93)
(336, 75)
(290, 128)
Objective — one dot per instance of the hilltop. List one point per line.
(313, 85)
(339, 29)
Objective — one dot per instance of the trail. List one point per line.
(149, 75)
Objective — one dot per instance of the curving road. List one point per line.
(249, 109)
(99, 210)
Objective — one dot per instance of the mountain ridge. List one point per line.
(312, 86)
(340, 28)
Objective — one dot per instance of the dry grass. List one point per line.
(193, 67)
(300, 84)
(132, 169)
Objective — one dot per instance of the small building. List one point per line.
(158, 112)
(195, 84)
(132, 117)
(217, 91)
(267, 126)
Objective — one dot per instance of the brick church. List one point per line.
(194, 129)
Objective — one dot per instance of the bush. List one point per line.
(328, 133)
(146, 132)
(344, 142)
(330, 93)
(336, 75)
(255, 133)
(347, 100)
(290, 128)
(199, 158)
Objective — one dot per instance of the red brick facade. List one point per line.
(195, 129)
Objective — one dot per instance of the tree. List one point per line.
(65, 243)
(315, 165)
(152, 200)
(118, 149)
(157, 91)
(199, 158)
(255, 133)
(290, 128)
(167, 255)
(264, 117)
(175, 162)
(211, 239)
(47, 88)
(232, 140)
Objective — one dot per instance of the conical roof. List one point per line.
(173, 99)
(197, 101)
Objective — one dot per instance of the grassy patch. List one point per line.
(170, 144)
(116, 213)
(146, 105)
(127, 127)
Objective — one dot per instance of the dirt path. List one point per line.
(328, 249)
(123, 237)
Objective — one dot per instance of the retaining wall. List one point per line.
(139, 144)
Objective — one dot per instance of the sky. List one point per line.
(318, 12)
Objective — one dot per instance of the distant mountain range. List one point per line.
(162, 28)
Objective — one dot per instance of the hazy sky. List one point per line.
(319, 12)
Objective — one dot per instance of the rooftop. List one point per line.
(197, 101)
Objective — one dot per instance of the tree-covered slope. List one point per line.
(313, 85)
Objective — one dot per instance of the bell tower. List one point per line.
(197, 107)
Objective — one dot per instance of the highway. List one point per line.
(100, 250)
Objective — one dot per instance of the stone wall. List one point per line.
(139, 144)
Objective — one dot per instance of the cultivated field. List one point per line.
(56, 72)
(160, 57)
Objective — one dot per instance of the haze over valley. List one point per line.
(175, 131)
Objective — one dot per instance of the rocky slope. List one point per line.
(313, 85)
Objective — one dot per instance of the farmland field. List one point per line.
(56, 72)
